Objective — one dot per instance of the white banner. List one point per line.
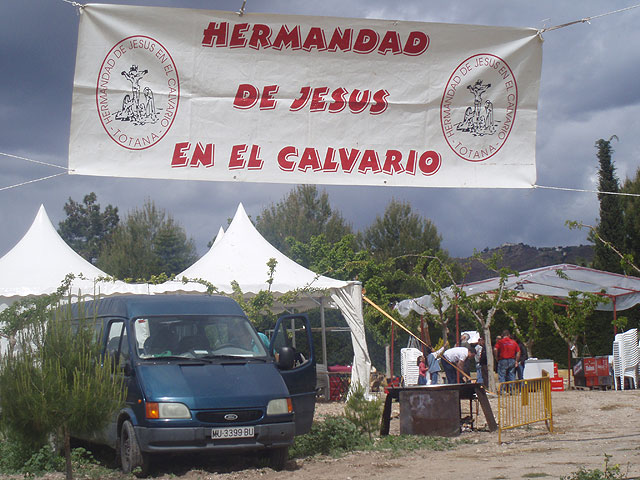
(207, 95)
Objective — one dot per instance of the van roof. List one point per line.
(131, 306)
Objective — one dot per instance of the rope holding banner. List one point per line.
(241, 11)
(585, 20)
(79, 6)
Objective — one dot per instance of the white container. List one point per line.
(409, 365)
(533, 368)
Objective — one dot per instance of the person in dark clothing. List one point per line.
(482, 363)
(522, 360)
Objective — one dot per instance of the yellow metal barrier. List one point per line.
(524, 402)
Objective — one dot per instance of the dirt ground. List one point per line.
(587, 425)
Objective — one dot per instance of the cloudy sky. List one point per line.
(589, 90)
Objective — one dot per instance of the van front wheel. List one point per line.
(132, 459)
(278, 458)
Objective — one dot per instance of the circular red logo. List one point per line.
(138, 92)
(478, 107)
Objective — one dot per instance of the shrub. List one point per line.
(364, 414)
(610, 472)
(334, 435)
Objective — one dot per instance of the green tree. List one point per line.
(482, 308)
(631, 211)
(303, 213)
(436, 273)
(611, 224)
(570, 323)
(55, 383)
(87, 228)
(147, 243)
(400, 232)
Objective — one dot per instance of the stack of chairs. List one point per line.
(409, 365)
(626, 358)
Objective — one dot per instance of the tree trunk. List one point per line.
(67, 453)
(445, 333)
(491, 381)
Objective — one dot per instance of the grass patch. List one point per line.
(408, 443)
(535, 475)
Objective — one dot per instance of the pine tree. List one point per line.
(55, 382)
(611, 225)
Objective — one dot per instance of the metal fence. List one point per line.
(524, 402)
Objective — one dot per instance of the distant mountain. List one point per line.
(522, 257)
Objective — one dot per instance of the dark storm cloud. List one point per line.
(588, 91)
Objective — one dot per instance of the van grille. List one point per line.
(219, 416)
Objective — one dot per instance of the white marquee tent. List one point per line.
(241, 254)
(38, 264)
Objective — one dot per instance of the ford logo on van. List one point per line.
(231, 417)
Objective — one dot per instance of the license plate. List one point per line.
(232, 432)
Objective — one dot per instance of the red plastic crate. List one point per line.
(602, 366)
(591, 381)
(557, 384)
(590, 368)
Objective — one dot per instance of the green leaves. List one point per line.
(55, 381)
(148, 243)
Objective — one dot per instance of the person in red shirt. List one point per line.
(507, 352)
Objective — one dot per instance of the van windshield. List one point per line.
(196, 336)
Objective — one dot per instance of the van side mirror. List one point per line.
(127, 370)
(286, 358)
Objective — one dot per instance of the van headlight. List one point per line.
(167, 410)
(279, 406)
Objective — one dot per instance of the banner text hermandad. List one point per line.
(207, 95)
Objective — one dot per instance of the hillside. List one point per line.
(522, 257)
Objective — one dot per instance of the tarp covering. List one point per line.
(209, 95)
(552, 281)
(241, 255)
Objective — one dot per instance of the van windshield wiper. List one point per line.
(177, 357)
(217, 356)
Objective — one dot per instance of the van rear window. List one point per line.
(196, 336)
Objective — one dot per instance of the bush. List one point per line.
(610, 472)
(19, 458)
(364, 414)
(334, 435)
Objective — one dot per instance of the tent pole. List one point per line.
(568, 367)
(392, 328)
(615, 317)
(324, 333)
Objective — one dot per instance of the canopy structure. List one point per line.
(40, 261)
(38, 264)
(241, 254)
(559, 281)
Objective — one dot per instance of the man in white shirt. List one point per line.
(456, 356)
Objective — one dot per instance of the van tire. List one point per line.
(278, 458)
(132, 459)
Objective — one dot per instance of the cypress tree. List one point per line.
(610, 227)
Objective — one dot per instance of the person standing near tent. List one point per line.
(456, 357)
(433, 364)
(422, 370)
(521, 361)
(507, 352)
(481, 362)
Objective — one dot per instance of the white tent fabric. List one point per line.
(40, 261)
(553, 281)
(38, 264)
(242, 254)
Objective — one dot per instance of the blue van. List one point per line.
(200, 379)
